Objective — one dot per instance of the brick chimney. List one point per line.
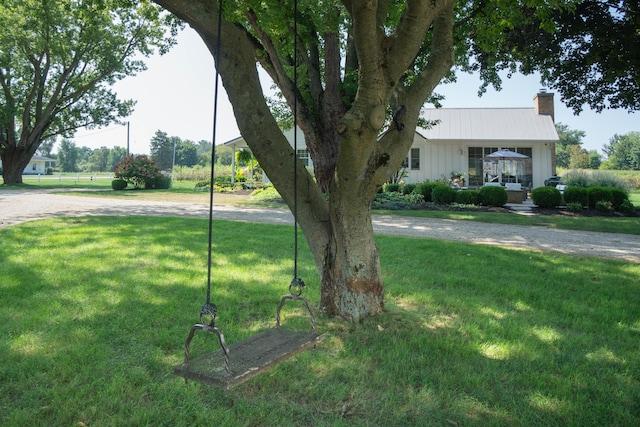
(543, 103)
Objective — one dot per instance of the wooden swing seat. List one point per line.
(250, 357)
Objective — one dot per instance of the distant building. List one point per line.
(38, 165)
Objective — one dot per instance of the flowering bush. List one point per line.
(139, 171)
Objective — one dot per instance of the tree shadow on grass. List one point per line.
(99, 308)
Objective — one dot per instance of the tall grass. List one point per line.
(96, 310)
(593, 178)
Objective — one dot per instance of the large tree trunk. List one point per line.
(352, 286)
(353, 163)
(14, 160)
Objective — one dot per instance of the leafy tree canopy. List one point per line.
(58, 59)
(589, 52)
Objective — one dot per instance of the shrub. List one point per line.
(425, 189)
(266, 193)
(160, 182)
(222, 181)
(467, 197)
(576, 195)
(396, 201)
(493, 196)
(546, 197)
(604, 206)
(618, 197)
(598, 194)
(443, 195)
(408, 188)
(392, 188)
(575, 207)
(140, 171)
(627, 207)
(119, 184)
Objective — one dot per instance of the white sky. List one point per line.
(175, 95)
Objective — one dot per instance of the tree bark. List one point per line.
(14, 160)
(352, 162)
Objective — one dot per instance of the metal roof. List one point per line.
(489, 124)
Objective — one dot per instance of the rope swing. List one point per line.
(232, 365)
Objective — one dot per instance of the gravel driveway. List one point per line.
(18, 206)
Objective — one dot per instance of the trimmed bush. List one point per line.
(392, 188)
(119, 184)
(467, 197)
(618, 197)
(493, 196)
(408, 188)
(599, 194)
(573, 195)
(443, 195)
(627, 207)
(546, 197)
(426, 189)
(575, 207)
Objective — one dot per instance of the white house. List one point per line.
(461, 138)
(38, 165)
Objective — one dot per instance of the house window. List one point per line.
(415, 158)
(303, 155)
(516, 171)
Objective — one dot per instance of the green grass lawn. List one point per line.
(96, 311)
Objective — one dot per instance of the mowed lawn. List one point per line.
(95, 312)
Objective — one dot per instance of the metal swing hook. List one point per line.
(295, 289)
(207, 323)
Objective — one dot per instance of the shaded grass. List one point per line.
(96, 310)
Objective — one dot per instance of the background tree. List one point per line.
(98, 160)
(204, 147)
(568, 138)
(186, 153)
(116, 155)
(161, 149)
(623, 151)
(595, 160)
(358, 63)
(579, 157)
(46, 147)
(68, 156)
(58, 59)
(224, 155)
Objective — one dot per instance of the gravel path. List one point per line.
(18, 206)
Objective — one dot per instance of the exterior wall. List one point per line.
(440, 158)
(35, 167)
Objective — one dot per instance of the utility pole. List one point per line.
(127, 138)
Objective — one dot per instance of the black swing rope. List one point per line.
(209, 310)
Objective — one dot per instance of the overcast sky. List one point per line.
(176, 94)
